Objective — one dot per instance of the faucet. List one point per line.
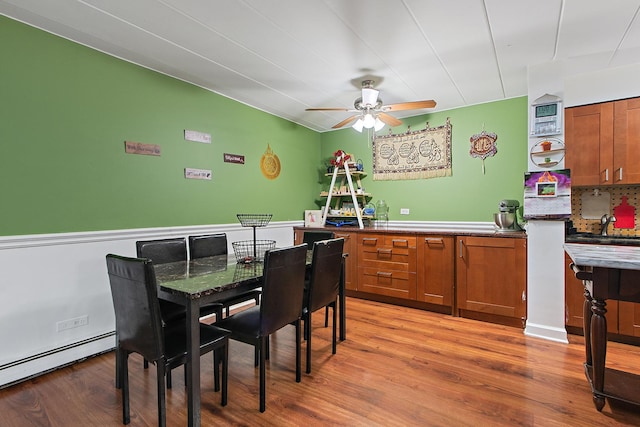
(605, 220)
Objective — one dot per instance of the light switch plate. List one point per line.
(404, 211)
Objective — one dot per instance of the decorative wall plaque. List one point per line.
(270, 164)
(191, 173)
(483, 145)
(233, 158)
(131, 147)
(195, 136)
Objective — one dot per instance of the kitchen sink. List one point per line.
(602, 240)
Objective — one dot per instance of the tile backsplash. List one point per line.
(593, 225)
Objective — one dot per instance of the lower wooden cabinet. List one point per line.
(491, 277)
(436, 270)
(387, 265)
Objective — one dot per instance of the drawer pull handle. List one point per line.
(384, 274)
(400, 243)
(383, 251)
(434, 241)
(369, 241)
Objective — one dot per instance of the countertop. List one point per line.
(608, 256)
(442, 231)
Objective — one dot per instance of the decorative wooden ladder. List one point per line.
(351, 191)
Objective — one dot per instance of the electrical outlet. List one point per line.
(76, 322)
(404, 211)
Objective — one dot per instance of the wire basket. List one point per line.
(254, 220)
(248, 251)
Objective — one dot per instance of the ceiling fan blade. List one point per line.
(415, 105)
(326, 109)
(345, 122)
(389, 120)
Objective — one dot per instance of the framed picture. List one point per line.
(546, 189)
(313, 218)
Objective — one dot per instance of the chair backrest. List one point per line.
(282, 287)
(326, 272)
(135, 302)
(162, 251)
(310, 237)
(207, 245)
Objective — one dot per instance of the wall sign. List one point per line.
(233, 158)
(131, 147)
(195, 136)
(191, 173)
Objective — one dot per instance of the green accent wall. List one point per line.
(66, 111)
(466, 195)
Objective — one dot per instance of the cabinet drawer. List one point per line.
(387, 252)
(398, 284)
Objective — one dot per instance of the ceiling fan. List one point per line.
(371, 112)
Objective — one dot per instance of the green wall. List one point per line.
(466, 195)
(66, 111)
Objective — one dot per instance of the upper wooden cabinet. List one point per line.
(600, 141)
(626, 136)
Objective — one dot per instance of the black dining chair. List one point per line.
(323, 287)
(310, 237)
(162, 251)
(216, 244)
(141, 329)
(281, 305)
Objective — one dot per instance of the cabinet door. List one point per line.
(436, 271)
(350, 261)
(492, 275)
(626, 147)
(589, 144)
(629, 318)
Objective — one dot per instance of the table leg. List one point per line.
(586, 320)
(193, 363)
(598, 350)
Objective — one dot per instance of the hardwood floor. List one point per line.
(398, 367)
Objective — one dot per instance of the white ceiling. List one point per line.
(282, 56)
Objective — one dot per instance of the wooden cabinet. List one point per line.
(435, 269)
(626, 136)
(601, 143)
(387, 265)
(491, 277)
(628, 318)
(588, 133)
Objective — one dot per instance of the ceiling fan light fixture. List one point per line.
(379, 124)
(358, 125)
(369, 96)
(368, 121)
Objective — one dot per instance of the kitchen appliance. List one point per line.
(507, 219)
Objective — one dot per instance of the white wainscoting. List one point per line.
(50, 278)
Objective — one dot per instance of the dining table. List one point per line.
(198, 282)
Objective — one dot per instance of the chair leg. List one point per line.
(307, 332)
(298, 351)
(124, 382)
(335, 321)
(326, 316)
(263, 367)
(145, 364)
(225, 372)
(168, 378)
(216, 369)
(162, 406)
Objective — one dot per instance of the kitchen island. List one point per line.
(607, 272)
